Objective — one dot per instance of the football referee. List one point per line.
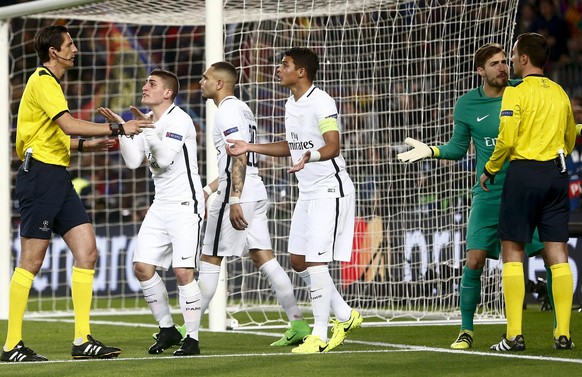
(536, 131)
(47, 200)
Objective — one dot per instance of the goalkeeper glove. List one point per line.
(419, 151)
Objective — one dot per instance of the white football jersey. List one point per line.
(235, 120)
(180, 181)
(322, 179)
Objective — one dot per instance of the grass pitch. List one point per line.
(394, 350)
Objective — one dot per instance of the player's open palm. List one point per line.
(110, 115)
(132, 127)
(300, 164)
(137, 114)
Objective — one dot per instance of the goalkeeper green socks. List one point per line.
(470, 292)
(550, 293)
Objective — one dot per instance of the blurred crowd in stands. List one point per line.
(117, 195)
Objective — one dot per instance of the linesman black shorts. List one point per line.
(534, 194)
(48, 201)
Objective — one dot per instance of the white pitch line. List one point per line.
(396, 347)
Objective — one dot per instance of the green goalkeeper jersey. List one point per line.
(476, 117)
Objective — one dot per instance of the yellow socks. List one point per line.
(514, 292)
(562, 289)
(82, 294)
(19, 290)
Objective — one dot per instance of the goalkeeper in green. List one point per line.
(476, 117)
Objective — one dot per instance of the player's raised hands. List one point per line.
(137, 114)
(130, 128)
(110, 115)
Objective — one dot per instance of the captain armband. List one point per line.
(329, 124)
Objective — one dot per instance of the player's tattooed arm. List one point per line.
(238, 174)
(239, 169)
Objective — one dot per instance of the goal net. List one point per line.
(395, 69)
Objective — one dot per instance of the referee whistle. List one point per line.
(27, 157)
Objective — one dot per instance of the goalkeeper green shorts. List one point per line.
(482, 230)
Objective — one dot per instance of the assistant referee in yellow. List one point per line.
(536, 131)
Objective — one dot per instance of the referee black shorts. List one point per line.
(535, 194)
(48, 201)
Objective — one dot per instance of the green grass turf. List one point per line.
(369, 351)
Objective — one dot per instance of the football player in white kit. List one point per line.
(322, 226)
(237, 219)
(170, 232)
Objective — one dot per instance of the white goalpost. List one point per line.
(395, 69)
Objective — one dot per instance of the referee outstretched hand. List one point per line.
(98, 145)
(132, 127)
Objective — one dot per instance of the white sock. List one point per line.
(339, 306)
(321, 289)
(156, 295)
(207, 281)
(304, 275)
(281, 284)
(189, 297)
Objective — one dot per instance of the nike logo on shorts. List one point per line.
(479, 119)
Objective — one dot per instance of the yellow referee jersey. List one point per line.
(42, 103)
(536, 120)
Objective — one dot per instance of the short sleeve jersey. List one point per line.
(235, 120)
(180, 181)
(321, 179)
(536, 120)
(43, 101)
